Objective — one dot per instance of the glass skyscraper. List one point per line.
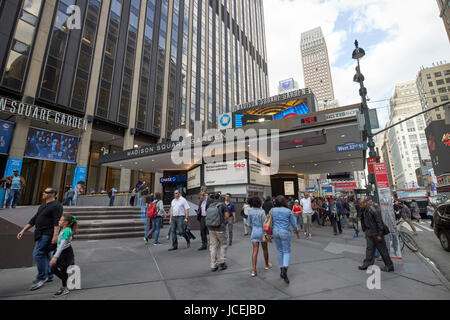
(135, 70)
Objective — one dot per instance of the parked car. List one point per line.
(442, 224)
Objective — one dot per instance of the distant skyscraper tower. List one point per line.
(316, 66)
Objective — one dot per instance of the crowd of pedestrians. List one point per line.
(270, 220)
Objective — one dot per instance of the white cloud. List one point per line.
(415, 36)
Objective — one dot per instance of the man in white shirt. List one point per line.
(307, 214)
(179, 215)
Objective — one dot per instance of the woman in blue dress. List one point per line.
(256, 218)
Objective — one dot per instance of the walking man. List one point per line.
(179, 215)
(372, 225)
(406, 217)
(112, 196)
(46, 234)
(232, 212)
(17, 185)
(70, 196)
(307, 214)
(205, 202)
(216, 219)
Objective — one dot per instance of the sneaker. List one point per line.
(145, 240)
(245, 234)
(49, 280)
(61, 292)
(230, 244)
(214, 269)
(157, 244)
(202, 248)
(173, 249)
(37, 285)
(355, 235)
(223, 266)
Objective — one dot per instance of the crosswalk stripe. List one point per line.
(407, 227)
(422, 226)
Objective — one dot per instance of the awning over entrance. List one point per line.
(307, 145)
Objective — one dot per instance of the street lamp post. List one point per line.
(359, 53)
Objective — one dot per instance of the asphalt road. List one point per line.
(431, 248)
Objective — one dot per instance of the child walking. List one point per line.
(64, 257)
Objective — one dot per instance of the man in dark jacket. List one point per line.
(372, 225)
(205, 202)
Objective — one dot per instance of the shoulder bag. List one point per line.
(268, 223)
(265, 237)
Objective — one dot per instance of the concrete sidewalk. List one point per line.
(325, 267)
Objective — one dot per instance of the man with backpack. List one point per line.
(179, 215)
(216, 219)
(156, 213)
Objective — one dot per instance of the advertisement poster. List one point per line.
(52, 146)
(12, 164)
(289, 188)
(388, 215)
(259, 174)
(225, 173)
(79, 181)
(387, 210)
(6, 130)
(193, 178)
(438, 138)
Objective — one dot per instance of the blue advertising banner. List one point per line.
(12, 164)
(6, 130)
(79, 181)
(52, 146)
(352, 146)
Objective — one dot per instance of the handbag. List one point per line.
(265, 238)
(268, 223)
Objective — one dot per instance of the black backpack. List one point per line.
(110, 194)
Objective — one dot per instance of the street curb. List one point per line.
(435, 270)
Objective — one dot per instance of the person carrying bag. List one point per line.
(268, 227)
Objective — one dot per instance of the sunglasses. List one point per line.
(48, 192)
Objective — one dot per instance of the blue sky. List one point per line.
(398, 40)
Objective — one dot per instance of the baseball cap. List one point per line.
(297, 201)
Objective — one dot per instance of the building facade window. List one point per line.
(109, 57)
(85, 56)
(21, 45)
(144, 84)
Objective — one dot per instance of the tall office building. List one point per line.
(128, 76)
(402, 140)
(434, 89)
(444, 12)
(316, 67)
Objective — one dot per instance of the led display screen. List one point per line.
(284, 110)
